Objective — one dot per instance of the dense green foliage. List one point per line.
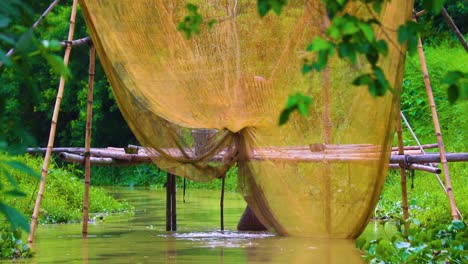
(61, 204)
(432, 238)
(11, 244)
(64, 199)
(435, 243)
(152, 176)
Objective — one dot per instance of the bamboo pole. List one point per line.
(326, 134)
(89, 125)
(435, 119)
(404, 190)
(454, 28)
(38, 21)
(53, 127)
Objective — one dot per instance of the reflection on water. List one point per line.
(140, 238)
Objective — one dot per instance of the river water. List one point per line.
(141, 237)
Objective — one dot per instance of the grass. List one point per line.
(63, 199)
(427, 200)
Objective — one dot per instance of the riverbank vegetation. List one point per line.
(62, 202)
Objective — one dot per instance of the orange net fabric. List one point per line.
(203, 104)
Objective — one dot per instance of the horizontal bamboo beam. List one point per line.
(274, 154)
(77, 42)
(415, 166)
(97, 161)
(428, 158)
(280, 154)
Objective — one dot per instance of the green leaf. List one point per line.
(57, 65)
(400, 245)
(264, 6)
(453, 93)
(364, 79)
(458, 224)
(21, 167)
(25, 43)
(4, 58)
(212, 22)
(433, 5)
(409, 33)
(14, 217)
(16, 193)
(52, 45)
(10, 178)
(284, 116)
(367, 31)
(7, 39)
(320, 44)
(299, 102)
(4, 21)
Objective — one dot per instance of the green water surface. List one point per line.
(141, 237)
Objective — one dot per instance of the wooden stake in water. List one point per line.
(171, 216)
(53, 127)
(221, 202)
(89, 124)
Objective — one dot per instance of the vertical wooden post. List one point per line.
(221, 202)
(326, 133)
(168, 203)
(435, 120)
(404, 190)
(53, 127)
(171, 214)
(89, 124)
(173, 203)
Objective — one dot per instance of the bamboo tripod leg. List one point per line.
(89, 123)
(53, 127)
(454, 28)
(424, 152)
(404, 190)
(435, 119)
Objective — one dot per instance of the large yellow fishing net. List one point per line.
(203, 104)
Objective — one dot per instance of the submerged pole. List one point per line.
(53, 127)
(171, 216)
(89, 124)
(435, 120)
(221, 202)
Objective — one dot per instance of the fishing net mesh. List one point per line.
(203, 104)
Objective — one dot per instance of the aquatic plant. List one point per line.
(431, 243)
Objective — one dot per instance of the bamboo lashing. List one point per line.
(89, 125)
(53, 127)
(435, 120)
